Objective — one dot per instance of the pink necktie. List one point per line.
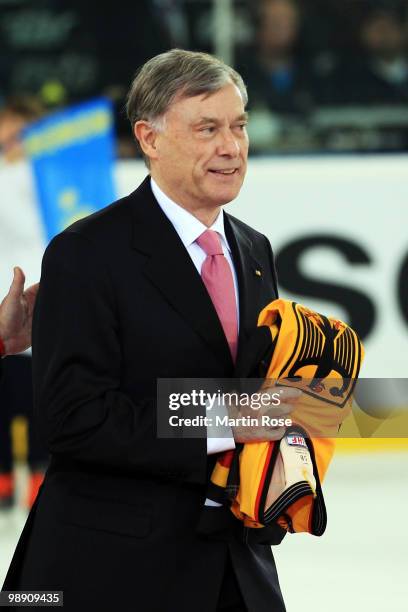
(217, 277)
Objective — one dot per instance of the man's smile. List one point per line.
(228, 172)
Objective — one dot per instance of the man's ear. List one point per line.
(146, 135)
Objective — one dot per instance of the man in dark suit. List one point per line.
(122, 304)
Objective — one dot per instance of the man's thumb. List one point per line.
(17, 285)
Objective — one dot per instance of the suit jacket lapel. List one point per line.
(249, 274)
(170, 268)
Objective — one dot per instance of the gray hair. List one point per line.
(176, 73)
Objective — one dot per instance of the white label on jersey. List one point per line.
(296, 440)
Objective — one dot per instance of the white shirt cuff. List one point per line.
(215, 443)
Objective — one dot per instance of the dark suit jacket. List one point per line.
(115, 523)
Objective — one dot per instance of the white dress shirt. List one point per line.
(189, 228)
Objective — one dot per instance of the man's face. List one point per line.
(203, 148)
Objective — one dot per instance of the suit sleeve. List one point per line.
(82, 413)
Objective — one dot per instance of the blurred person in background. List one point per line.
(16, 114)
(382, 76)
(16, 385)
(16, 311)
(286, 70)
(377, 72)
(274, 69)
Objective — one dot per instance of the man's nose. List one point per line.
(228, 144)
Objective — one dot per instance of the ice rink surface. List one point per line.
(359, 565)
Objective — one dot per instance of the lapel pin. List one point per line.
(258, 273)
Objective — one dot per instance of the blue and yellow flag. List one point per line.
(72, 153)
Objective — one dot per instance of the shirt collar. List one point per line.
(188, 227)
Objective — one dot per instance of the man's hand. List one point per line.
(16, 313)
(263, 433)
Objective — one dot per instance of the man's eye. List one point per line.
(241, 126)
(209, 129)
